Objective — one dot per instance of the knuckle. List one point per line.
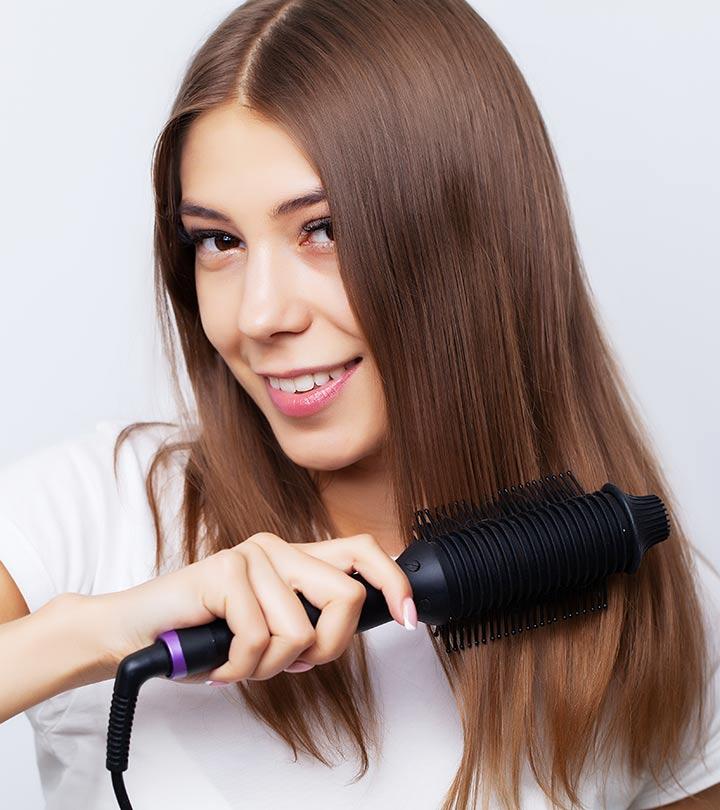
(250, 549)
(356, 592)
(367, 540)
(256, 639)
(264, 539)
(303, 637)
(328, 652)
(230, 561)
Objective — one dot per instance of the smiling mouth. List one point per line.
(306, 403)
(320, 379)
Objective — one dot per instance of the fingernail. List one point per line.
(409, 613)
(299, 666)
(215, 683)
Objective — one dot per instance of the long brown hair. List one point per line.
(456, 247)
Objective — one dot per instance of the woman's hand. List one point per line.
(252, 586)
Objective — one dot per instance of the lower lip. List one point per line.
(309, 402)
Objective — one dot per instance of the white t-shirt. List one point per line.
(66, 526)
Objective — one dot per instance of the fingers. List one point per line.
(339, 598)
(362, 553)
(289, 627)
(235, 601)
(254, 584)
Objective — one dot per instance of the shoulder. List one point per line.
(86, 455)
(80, 474)
(65, 507)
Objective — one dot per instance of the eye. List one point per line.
(218, 241)
(321, 225)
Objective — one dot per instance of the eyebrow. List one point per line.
(312, 197)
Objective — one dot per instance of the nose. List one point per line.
(270, 301)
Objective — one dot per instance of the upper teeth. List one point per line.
(306, 382)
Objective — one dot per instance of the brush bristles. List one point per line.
(536, 553)
(446, 524)
(492, 625)
(515, 500)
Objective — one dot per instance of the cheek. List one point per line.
(369, 401)
(339, 305)
(367, 426)
(217, 313)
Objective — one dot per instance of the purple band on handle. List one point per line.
(172, 642)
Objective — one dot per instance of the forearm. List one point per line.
(56, 648)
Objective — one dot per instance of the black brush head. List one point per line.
(538, 552)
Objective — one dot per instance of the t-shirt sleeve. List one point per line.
(696, 773)
(67, 524)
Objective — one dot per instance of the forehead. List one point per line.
(230, 151)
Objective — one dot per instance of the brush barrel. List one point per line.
(552, 548)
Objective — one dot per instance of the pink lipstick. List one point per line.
(306, 403)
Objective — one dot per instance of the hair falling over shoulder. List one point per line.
(424, 132)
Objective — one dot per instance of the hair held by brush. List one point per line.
(417, 117)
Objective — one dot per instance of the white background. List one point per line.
(629, 92)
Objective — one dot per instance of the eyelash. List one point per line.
(195, 236)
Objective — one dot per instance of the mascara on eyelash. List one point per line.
(194, 236)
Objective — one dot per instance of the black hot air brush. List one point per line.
(535, 553)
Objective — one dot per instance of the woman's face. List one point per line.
(271, 299)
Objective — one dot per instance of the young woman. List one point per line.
(366, 263)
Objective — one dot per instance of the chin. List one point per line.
(323, 453)
(323, 458)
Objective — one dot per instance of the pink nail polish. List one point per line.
(215, 683)
(299, 666)
(409, 613)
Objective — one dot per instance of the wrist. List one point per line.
(85, 620)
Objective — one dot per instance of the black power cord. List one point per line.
(132, 673)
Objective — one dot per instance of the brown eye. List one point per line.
(318, 227)
(208, 242)
(217, 242)
(223, 242)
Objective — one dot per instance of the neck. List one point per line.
(358, 498)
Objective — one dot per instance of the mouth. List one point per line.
(305, 383)
(321, 388)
